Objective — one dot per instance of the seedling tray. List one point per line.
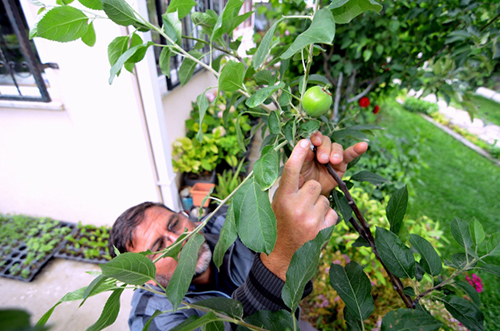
(74, 249)
(21, 258)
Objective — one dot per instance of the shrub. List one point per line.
(324, 308)
(420, 106)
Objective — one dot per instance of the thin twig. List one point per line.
(368, 235)
(365, 92)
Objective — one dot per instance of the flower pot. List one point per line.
(200, 191)
(190, 179)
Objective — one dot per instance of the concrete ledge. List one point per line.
(489, 94)
(462, 140)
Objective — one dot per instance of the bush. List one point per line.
(420, 106)
(324, 308)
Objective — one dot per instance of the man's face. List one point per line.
(161, 228)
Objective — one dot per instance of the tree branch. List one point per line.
(490, 22)
(365, 92)
(352, 81)
(335, 114)
(327, 68)
(368, 235)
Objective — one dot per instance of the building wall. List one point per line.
(87, 162)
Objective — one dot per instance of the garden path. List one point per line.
(488, 132)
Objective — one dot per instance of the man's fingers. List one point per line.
(291, 171)
(330, 216)
(355, 151)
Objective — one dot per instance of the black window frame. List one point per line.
(32, 61)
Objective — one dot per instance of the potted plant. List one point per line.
(218, 149)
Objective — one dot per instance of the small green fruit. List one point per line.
(316, 101)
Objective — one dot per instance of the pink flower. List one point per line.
(337, 262)
(210, 96)
(347, 259)
(475, 282)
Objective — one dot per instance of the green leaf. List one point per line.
(213, 326)
(470, 291)
(266, 168)
(73, 296)
(183, 7)
(116, 48)
(354, 288)
(273, 122)
(465, 312)
(262, 94)
(183, 274)
(89, 37)
(476, 232)
(109, 312)
(172, 26)
(194, 322)
(92, 4)
(130, 268)
(174, 252)
(460, 230)
(396, 256)
(187, 67)
(430, 260)
(366, 176)
(264, 46)
(227, 237)
(125, 57)
(342, 205)
(396, 209)
(16, 319)
(492, 244)
(321, 31)
(224, 22)
(308, 128)
(230, 307)
(352, 321)
(263, 77)
(348, 10)
(490, 268)
(93, 287)
(165, 56)
(202, 102)
(302, 268)
(63, 24)
(405, 319)
(255, 219)
(231, 76)
(120, 12)
(148, 323)
(337, 3)
(203, 19)
(279, 320)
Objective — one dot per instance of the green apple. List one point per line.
(316, 101)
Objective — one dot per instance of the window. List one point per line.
(21, 73)
(156, 8)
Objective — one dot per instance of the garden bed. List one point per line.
(26, 244)
(86, 243)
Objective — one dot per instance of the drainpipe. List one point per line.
(153, 121)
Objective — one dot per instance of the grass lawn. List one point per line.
(488, 109)
(458, 183)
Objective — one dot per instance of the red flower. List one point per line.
(364, 102)
(376, 109)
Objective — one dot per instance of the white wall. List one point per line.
(88, 162)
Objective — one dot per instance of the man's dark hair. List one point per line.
(121, 234)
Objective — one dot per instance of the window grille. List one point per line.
(20, 68)
(156, 8)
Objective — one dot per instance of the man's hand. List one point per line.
(328, 152)
(300, 203)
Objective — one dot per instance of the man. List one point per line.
(301, 207)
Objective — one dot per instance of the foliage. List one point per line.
(420, 106)
(375, 53)
(227, 182)
(88, 242)
(218, 142)
(370, 54)
(323, 308)
(36, 237)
